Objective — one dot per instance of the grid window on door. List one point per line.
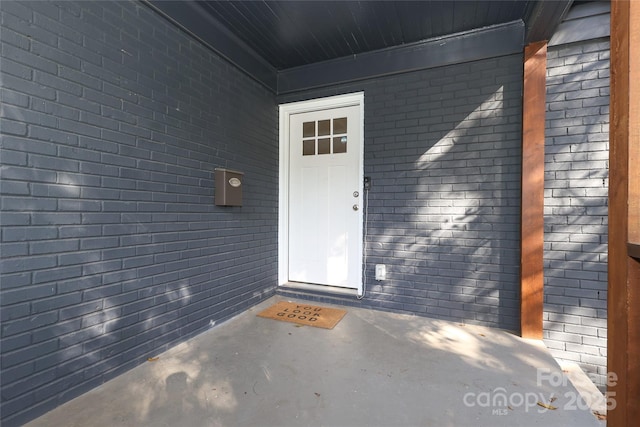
(324, 137)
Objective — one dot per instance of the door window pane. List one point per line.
(309, 147)
(324, 127)
(324, 146)
(340, 144)
(308, 129)
(340, 125)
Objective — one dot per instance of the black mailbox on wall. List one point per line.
(228, 187)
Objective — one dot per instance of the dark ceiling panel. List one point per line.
(268, 37)
(294, 33)
(247, 23)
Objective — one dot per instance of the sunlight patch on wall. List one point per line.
(488, 110)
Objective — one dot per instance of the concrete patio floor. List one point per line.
(373, 369)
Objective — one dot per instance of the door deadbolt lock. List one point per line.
(355, 207)
(356, 194)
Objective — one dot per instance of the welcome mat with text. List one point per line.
(304, 314)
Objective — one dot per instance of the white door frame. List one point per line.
(286, 110)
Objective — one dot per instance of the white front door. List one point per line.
(325, 196)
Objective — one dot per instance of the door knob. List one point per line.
(355, 207)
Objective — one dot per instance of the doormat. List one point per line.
(304, 314)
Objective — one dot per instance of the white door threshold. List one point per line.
(321, 289)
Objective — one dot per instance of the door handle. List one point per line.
(355, 207)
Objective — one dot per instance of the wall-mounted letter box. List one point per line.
(228, 187)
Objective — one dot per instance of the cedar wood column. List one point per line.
(623, 296)
(532, 190)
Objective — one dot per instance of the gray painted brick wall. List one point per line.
(442, 147)
(576, 191)
(112, 250)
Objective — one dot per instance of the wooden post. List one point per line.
(532, 207)
(623, 297)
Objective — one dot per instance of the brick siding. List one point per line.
(112, 123)
(576, 191)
